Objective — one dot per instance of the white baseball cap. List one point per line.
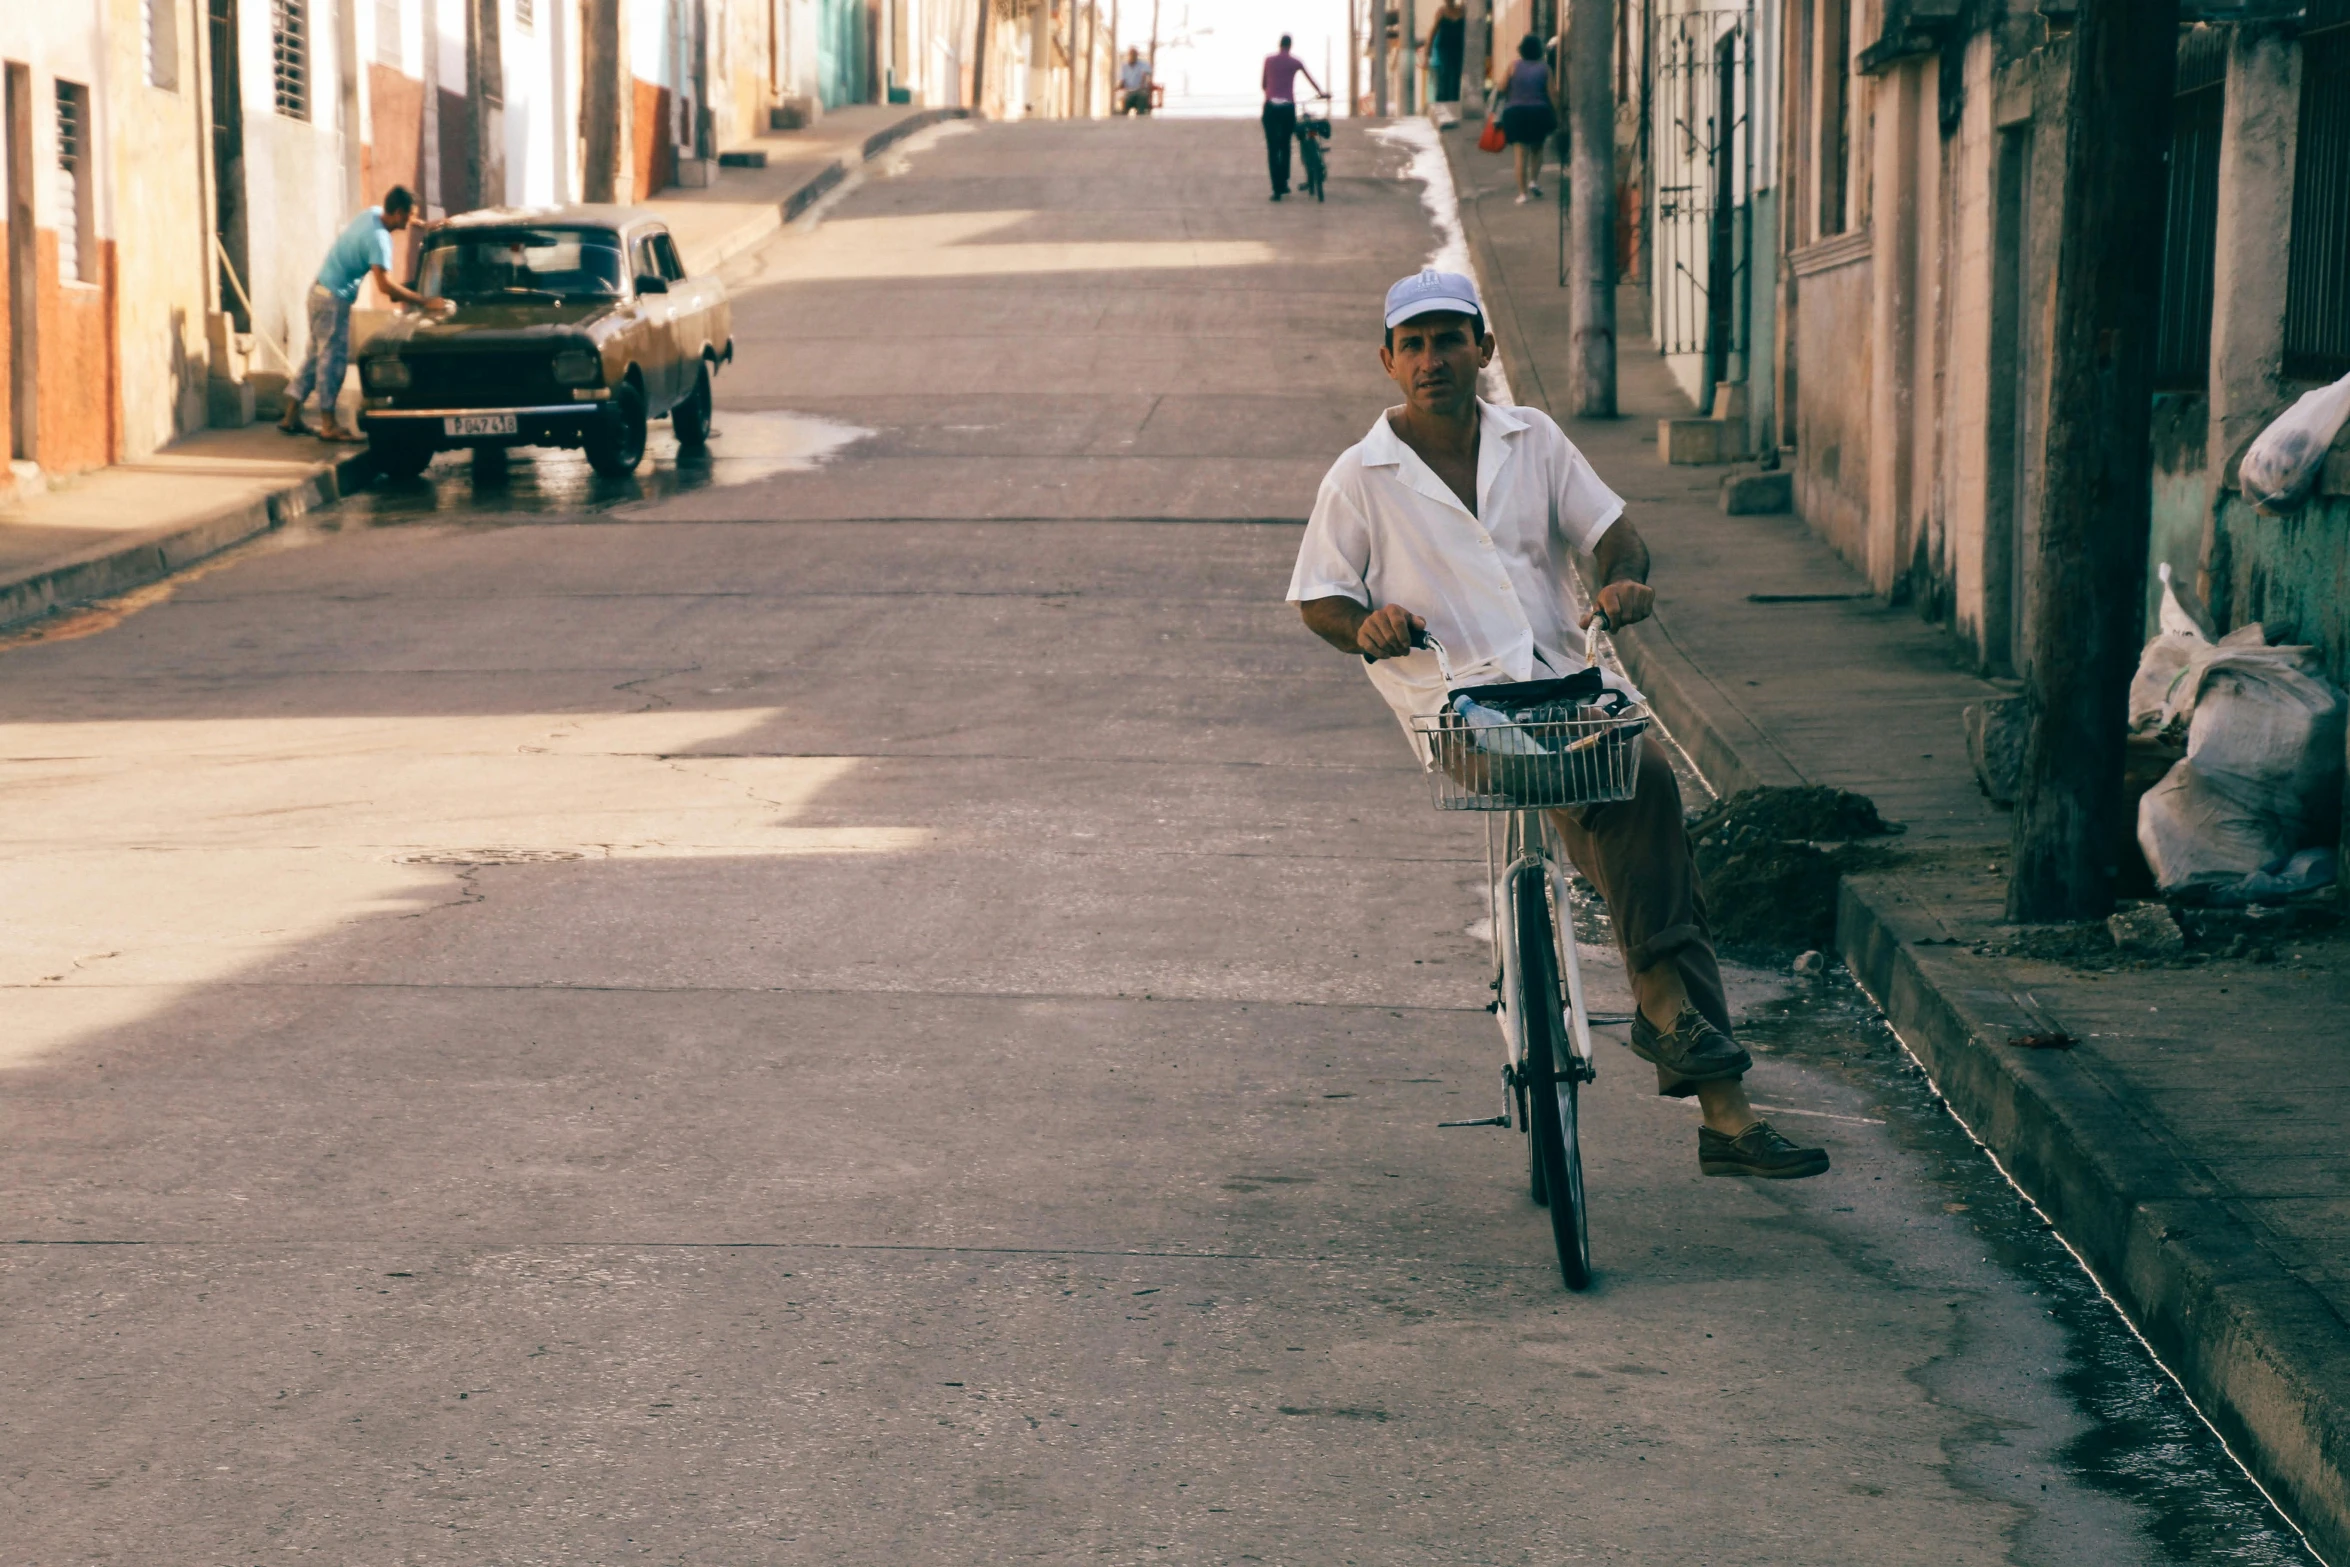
(1426, 292)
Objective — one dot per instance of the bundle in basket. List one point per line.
(1534, 744)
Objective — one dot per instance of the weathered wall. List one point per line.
(77, 416)
(1832, 352)
(157, 144)
(1968, 162)
(80, 380)
(2290, 573)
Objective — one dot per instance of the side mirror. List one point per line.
(651, 283)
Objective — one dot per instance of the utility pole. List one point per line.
(1354, 57)
(1380, 85)
(1474, 28)
(1071, 100)
(1408, 62)
(2086, 615)
(1591, 208)
(979, 59)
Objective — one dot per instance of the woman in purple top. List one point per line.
(1527, 119)
(1282, 69)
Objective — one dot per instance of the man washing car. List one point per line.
(362, 251)
(1454, 517)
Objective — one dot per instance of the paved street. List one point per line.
(879, 1000)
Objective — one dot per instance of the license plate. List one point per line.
(478, 424)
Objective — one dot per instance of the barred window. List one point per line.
(2190, 235)
(76, 250)
(160, 41)
(2317, 268)
(522, 13)
(289, 56)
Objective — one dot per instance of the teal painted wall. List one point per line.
(2291, 573)
(841, 36)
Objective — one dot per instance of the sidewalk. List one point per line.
(94, 534)
(2190, 1146)
(91, 535)
(718, 222)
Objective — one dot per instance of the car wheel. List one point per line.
(691, 418)
(399, 457)
(617, 444)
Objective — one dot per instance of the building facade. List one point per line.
(174, 169)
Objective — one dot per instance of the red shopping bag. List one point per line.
(1492, 140)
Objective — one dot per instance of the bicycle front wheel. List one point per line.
(1551, 1086)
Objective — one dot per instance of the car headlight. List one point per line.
(577, 367)
(385, 375)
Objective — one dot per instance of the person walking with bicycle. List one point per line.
(1282, 69)
(1453, 518)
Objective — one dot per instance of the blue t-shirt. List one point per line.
(364, 245)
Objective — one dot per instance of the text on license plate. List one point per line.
(478, 424)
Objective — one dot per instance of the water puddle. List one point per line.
(746, 447)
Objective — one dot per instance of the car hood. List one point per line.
(498, 325)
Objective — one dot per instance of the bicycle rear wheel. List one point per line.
(1551, 1085)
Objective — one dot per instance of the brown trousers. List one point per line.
(1636, 852)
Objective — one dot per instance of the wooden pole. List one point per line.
(1591, 208)
(1354, 58)
(979, 59)
(2086, 613)
(1408, 60)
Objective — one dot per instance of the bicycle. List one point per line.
(1312, 132)
(1515, 752)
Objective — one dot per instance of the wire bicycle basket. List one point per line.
(1486, 752)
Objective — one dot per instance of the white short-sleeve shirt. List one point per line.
(1493, 587)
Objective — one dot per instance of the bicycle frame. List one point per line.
(1514, 841)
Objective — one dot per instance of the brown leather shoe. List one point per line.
(1759, 1150)
(1693, 1050)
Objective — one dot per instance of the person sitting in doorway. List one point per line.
(1134, 85)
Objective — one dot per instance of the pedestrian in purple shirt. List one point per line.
(1282, 69)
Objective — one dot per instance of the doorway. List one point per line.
(24, 314)
(228, 161)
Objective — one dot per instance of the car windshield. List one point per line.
(483, 266)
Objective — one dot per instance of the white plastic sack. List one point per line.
(2192, 835)
(2167, 658)
(2267, 735)
(2170, 671)
(2282, 464)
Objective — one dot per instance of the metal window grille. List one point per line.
(2190, 235)
(74, 250)
(2317, 267)
(1701, 145)
(289, 56)
(160, 43)
(389, 25)
(522, 13)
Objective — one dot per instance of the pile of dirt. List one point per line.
(1769, 860)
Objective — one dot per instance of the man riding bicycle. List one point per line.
(1453, 518)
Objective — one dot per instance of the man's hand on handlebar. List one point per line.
(1619, 604)
(1389, 632)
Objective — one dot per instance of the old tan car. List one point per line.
(572, 326)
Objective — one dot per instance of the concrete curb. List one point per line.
(143, 558)
(2261, 1352)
